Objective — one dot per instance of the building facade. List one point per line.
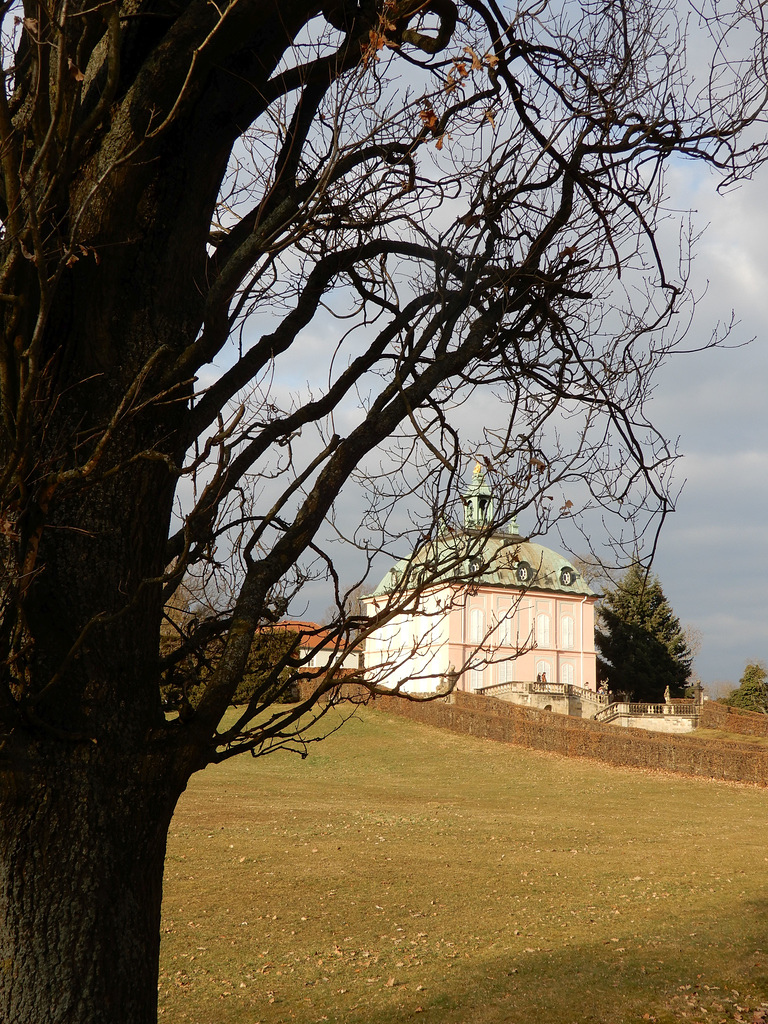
(482, 609)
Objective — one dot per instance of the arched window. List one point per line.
(542, 630)
(566, 674)
(476, 625)
(566, 633)
(543, 668)
(506, 671)
(503, 633)
(478, 677)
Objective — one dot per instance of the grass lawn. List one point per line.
(401, 873)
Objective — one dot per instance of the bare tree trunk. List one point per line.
(80, 887)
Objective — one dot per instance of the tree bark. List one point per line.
(81, 869)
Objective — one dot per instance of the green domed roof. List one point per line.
(500, 560)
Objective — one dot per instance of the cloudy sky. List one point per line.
(713, 554)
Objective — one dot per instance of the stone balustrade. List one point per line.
(556, 689)
(679, 708)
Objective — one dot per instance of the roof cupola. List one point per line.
(478, 502)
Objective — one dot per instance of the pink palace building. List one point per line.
(523, 624)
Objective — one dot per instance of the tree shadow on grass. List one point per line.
(693, 978)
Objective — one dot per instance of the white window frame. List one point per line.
(544, 667)
(567, 633)
(504, 628)
(505, 672)
(478, 677)
(542, 629)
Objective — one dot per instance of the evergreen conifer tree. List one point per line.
(641, 645)
(752, 694)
